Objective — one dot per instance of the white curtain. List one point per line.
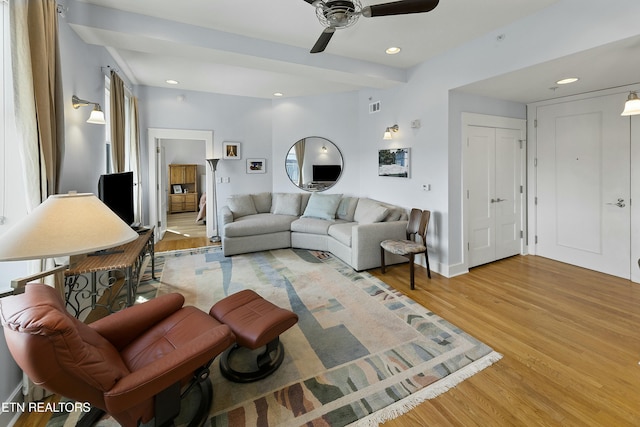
(134, 158)
(39, 112)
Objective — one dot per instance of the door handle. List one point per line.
(619, 203)
(498, 200)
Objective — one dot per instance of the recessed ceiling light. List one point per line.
(567, 81)
(393, 50)
(172, 82)
(278, 94)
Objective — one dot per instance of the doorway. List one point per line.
(157, 176)
(494, 187)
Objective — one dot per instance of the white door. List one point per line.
(583, 184)
(494, 193)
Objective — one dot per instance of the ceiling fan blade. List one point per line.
(310, 1)
(403, 7)
(323, 40)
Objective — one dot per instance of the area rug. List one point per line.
(361, 353)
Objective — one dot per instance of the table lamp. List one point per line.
(65, 225)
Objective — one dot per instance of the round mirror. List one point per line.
(314, 164)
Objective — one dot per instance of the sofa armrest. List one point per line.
(366, 238)
(227, 216)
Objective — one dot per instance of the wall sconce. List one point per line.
(324, 148)
(97, 115)
(632, 106)
(387, 133)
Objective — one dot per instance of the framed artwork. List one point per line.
(256, 166)
(394, 162)
(231, 150)
(177, 189)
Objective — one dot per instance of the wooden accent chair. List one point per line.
(417, 226)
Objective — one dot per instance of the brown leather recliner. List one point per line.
(121, 363)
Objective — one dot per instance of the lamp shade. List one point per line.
(632, 106)
(97, 117)
(63, 225)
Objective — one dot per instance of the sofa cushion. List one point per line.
(393, 215)
(364, 206)
(322, 206)
(347, 208)
(262, 201)
(304, 199)
(312, 225)
(285, 204)
(377, 214)
(241, 205)
(342, 232)
(263, 223)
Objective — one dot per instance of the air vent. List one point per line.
(374, 107)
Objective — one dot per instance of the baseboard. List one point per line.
(10, 416)
(456, 270)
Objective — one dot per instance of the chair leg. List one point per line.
(382, 266)
(412, 269)
(426, 257)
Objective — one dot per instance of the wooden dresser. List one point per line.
(183, 188)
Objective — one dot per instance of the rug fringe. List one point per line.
(403, 406)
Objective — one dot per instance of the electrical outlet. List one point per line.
(227, 179)
(426, 187)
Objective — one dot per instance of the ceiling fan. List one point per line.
(338, 14)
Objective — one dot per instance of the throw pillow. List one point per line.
(347, 208)
(262, 202)
(241, 205)
(322, 206)
(376, 214)
(286, 204)
(364, 206)
(394, 215)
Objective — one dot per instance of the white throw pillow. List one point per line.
(286, 204)
(376, 214)
(241, 205)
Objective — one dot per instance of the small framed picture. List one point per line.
(256, 166)
(231, 150)
(177, 189)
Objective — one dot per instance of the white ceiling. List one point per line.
(258, 47)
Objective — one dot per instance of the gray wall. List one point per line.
(231, 118)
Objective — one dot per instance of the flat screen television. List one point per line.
(116, 191)
(325, 173)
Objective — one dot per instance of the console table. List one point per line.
(92, 281)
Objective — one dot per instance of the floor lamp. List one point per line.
(213, 163)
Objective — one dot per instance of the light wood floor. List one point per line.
(570, 339)
(183, 233)
(569, 336)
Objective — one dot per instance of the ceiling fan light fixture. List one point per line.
(338, 14)
(632, 106)
(393, 50)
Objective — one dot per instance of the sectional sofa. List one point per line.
(351, 228)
